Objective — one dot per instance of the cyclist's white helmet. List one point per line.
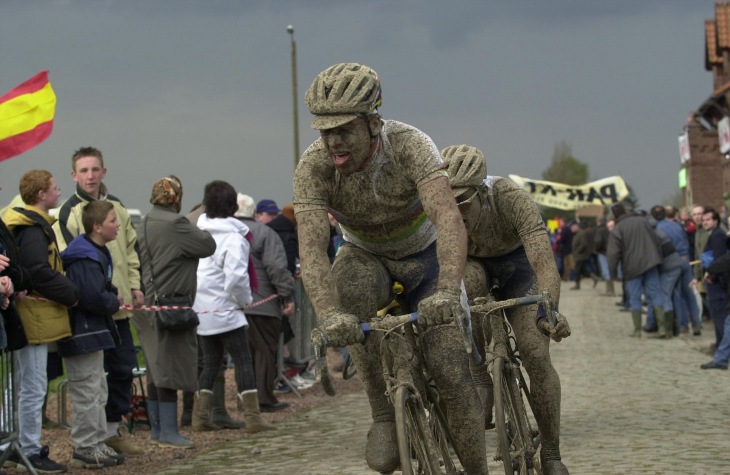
(341, 93)
(466, 167)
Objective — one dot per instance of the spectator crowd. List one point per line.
(82, 290)
(673, 265)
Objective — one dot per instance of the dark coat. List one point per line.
(12, 335)
(269, 258)
(583, 245)
(600, 239)
(564, 243)
(175, 245)
(720, 268)
(288, 234)
(634, 243)
(89, 266)
(716, 248)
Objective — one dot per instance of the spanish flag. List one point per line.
(26, 115)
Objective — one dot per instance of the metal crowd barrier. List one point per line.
(9, 413)
(300, 348)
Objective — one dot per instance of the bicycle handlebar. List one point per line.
(389, 322)
(544, 298)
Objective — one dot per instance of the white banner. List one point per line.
(723, 135)
(606, 192)
(684, 147)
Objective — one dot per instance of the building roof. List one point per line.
(711, 56)
(722, 18)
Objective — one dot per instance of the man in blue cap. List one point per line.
(266, 210)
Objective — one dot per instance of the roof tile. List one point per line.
(722, 15)
(711, 38)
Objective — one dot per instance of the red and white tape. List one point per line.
(154, 308)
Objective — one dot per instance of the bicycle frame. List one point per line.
(420, 421)
(518, 442)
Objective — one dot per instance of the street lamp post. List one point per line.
(295, 107)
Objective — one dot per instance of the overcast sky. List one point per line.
(203, 89)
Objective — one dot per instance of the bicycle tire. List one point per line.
(513, 425)
(500, 421)
(413, 431)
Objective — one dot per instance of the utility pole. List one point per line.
(295, 106)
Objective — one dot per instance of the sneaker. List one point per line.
(91, 458)
(281, 388)
(300, 383)
(713, 365)
(42, 464)
(112, 454)
(123, 445)
(308, 375)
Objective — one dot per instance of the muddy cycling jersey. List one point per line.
(378, 208)
(509, 218)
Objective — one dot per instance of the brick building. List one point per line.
(707, 170)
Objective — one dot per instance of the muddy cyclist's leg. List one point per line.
(447, 362)
(363, 286)
(475, 281)
(544, 380)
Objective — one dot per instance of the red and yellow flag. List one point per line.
(26, 115)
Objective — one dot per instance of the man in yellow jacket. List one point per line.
(44, 314)
(88, 172)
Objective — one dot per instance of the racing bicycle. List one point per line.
(518, 439)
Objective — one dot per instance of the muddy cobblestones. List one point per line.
(630, 406)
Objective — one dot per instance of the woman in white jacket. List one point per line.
(224, 289)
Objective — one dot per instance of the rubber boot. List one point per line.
(218, 414)
(187, 415)
(46, 422)
(610, 292)
(153, 413)
(169, 434)
(661, 322)
(201, 411)
(672, 328)
(252, 413)
(381, 448)
(636, 317)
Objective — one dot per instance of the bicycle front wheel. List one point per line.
(513, 427)
(413, 431)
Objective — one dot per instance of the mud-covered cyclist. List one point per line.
(385, 184)
(508, 242)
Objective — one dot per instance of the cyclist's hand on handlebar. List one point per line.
(482, 301)
(559, 331)
(341, 328)
(440, 308)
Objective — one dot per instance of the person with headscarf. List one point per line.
(169, 249)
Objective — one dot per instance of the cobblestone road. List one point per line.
(630, 406)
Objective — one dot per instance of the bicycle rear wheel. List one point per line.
(413, 430)
(513, 426)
